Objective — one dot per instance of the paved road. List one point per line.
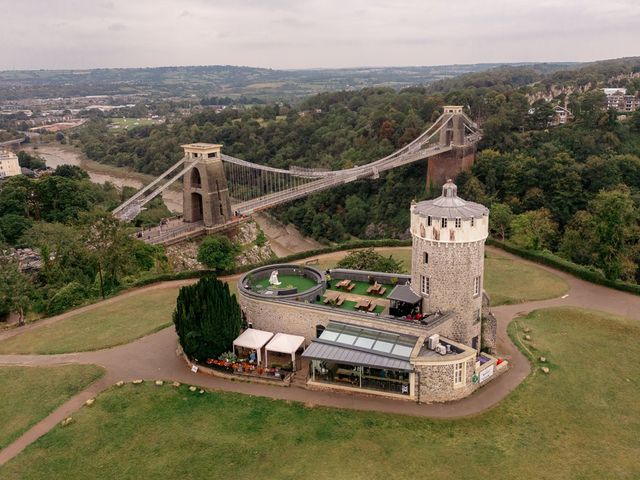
(154, 357)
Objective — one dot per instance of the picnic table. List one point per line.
(363, 305)
(343, 283)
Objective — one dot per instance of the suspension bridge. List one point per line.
(219, 190)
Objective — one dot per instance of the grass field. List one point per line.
(581, 421)
(127, 123)
(105, 326)
(28, 394)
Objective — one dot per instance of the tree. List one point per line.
(14, 288)
(32, 162)
(615, 220)
(369, 259)
(500, 219)
(218, 252)
(207, 319)
(13, 226)
(71, 171)
(534, 230)
(111, 248)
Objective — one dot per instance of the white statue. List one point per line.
(273, 279)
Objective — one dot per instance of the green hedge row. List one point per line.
(589, 274)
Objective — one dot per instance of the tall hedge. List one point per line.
(207, 318)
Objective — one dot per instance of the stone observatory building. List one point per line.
(428, 336)
(447, 261)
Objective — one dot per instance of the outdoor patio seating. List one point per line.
(339, 300)
(382, 291)
(351, 287)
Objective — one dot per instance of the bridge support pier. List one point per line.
(448, 165)
(205, 194)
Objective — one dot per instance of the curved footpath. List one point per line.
(153, 357)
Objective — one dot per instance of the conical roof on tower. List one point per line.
(449, 205)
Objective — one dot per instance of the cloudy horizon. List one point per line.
(293, 34)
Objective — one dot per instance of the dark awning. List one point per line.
(404, 293)
(333, 353)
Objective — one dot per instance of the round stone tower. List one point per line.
(447, 265)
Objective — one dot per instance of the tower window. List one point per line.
(458, 222)
(443, 223)
(459, 374)
(473, 222)
(425, 285)
(429, 221)
(476, 286)
(426, 257)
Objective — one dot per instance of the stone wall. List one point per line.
(448, 165)
(297, 318)
(364, 276)
(435, 381)
(489, 332)
(451, 269)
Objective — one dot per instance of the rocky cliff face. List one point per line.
(183, 256)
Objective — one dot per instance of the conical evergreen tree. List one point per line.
(207, 318)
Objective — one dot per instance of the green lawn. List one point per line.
(28, 394)
(508, 281)
(105, 326)
(287, 281)
(581, 421)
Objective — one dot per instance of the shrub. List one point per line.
(69, 296)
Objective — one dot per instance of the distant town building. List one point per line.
(618, 100)
(9, 165)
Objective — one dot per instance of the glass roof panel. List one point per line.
(329, 335)
(346, 338)
(367, 339)
(364, 342)
(382, 346)
(402, 350)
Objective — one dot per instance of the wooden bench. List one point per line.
(371, 307)
(339, 301)
(351, 287)
(382, 291)
(326, 300)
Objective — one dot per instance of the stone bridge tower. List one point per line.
(447, 260)
(205, 193)
(462, 155)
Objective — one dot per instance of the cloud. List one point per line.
(313, 33)
(117, 27)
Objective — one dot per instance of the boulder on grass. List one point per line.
(192, 388)
(159, 383)
(545, 369)
(66, 421)
(90, 402)
(137, 382)
(176, 384)
(120, 383)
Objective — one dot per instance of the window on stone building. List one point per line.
(476, 316)
(429, 221)
(425, 285)
(476, 286)
(459, 374)
(443, 223)
(473, 222)
(426, 257)
(458, 222)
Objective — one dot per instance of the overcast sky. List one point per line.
(312, 33)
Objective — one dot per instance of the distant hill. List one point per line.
(226, 80)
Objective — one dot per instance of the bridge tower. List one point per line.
(205, 194)
(462, 155)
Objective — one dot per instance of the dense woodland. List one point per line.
(85, 252)
(550, 187)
